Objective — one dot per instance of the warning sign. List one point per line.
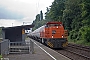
(23, 31)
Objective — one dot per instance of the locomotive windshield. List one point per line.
(50, 25)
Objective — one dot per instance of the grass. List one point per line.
(0, 56)
(1, 39)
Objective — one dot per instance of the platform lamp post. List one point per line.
(26, 22)
(12, 24)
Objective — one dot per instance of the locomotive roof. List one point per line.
(54, 23)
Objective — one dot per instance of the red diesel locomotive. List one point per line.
(51, 34)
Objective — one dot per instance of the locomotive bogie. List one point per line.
(57, 43)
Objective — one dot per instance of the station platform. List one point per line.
(41, 52)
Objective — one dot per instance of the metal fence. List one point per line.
(15, 43)
(4, 47)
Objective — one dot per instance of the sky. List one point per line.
(28, 8)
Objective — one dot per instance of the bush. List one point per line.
(0, 56)
(85, 33)
(73, 34)
(0, 32)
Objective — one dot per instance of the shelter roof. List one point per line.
(21, 27)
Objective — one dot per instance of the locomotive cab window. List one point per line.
(50, 25)
(60, 24)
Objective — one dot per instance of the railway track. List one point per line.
(76, 52)
(80, 47)
(81, 55)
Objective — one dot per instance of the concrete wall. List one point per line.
(4, 47)
(3, 34)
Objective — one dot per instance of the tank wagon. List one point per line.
(51, 34)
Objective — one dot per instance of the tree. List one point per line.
(71, 14)
(56, 10)
(85, 33)
(0, 32)
(86, 12)
(37, 17)
(47, 18)
(41, 15)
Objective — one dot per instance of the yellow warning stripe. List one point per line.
(50, 44)
(65, 44)
(23, 31)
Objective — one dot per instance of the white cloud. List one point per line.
(10, 23)
(20, 7)
(6, 23)
(29, 8)
(26, 7)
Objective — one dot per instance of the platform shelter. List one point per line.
(15, 34)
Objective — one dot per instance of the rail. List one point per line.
(79, 50)
(76, 52)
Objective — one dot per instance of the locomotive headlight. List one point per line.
(62, 36)
(52, 36)
(53, 31)
(57, 26)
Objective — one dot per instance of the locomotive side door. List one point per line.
(46, 31)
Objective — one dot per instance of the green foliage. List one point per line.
(0, 56)
(41, 15)
(38, 17)
(56, 10)
(85, 31)
(73, 34)
(39, 24)
(0, 32)
(71, 14)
